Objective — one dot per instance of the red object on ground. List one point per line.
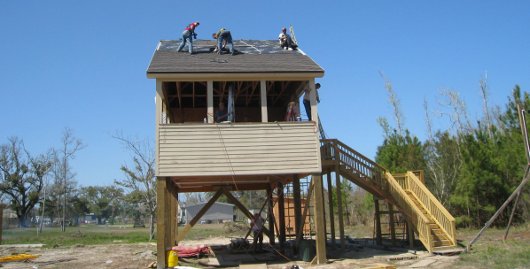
(191, 251)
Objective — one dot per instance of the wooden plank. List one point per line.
(197, 217)
(339, 205)
(378, 236)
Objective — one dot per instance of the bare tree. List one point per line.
(394, 101)
(458, 111)
(488, 124)
(21, 177)
(64, 175)
(141, 177)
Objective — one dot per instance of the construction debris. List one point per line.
(17, 258)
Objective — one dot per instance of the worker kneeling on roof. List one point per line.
(224, 38)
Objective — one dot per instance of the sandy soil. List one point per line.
(116, 256)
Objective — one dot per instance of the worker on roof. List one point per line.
(224, 38)
(188, 35)
(286, 42)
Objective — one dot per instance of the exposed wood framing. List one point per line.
(391, 220)
(297, 207)
(306, 211)
(163, 225)
(378, 235)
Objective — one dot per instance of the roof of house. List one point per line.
(253, 56)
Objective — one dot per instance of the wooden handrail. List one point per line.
(445, 220)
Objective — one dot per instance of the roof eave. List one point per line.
(236, 76)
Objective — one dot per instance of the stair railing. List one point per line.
(407, 206)
(442, 217)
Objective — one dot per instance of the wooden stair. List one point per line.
(432, 223)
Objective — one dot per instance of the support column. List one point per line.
(392, 224)
(173, 213)
(340, 209)
(163, 224)
(320, 257)
(313, 101)
(331, 213)
(209, 101)
(410, 234)
(281, 207)
(297, 208)
(378, 236)
(263, 96)
(271, 216)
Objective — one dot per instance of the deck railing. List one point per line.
(395, 186)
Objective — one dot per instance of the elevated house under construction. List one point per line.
(255, 148)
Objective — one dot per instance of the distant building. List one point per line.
(217, 213)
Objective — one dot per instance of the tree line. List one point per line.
(41, 189)
(472, 167)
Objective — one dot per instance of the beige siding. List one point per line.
(238, 149)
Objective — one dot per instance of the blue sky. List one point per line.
(81, 64)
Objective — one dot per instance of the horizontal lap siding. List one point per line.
(238, 149)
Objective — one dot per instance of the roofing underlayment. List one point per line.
(253, 56)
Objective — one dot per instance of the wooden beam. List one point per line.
(172, 214)
(319, 221)
(199, 215)
(163, 225)
(243, 209)
(281, 207)
(209, 98)
(313, 101)
(330, 204)
(271, 216)
(263, 94)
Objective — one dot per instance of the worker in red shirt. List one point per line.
(188, 35)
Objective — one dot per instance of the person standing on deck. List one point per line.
(307, 100)
(188, 35)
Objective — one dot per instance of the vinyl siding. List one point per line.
(238, 149)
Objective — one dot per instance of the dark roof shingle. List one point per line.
(254, 56)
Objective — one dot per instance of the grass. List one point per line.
(491, 252)
(102, 234)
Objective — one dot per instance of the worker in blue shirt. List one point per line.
(224, 38)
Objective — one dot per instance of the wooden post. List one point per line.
(271, 216)
(392, 224)
(341, 212)
(331, 213)
(313, 101)
(297, 208)
(209, 101)
(324, 209)
(199, 215)
(410, 234)
(378, 236)
(163, 225)
(281, 211)
(320, 257)
(263, 96)
(172, 213)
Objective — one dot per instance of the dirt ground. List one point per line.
(114, 256)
